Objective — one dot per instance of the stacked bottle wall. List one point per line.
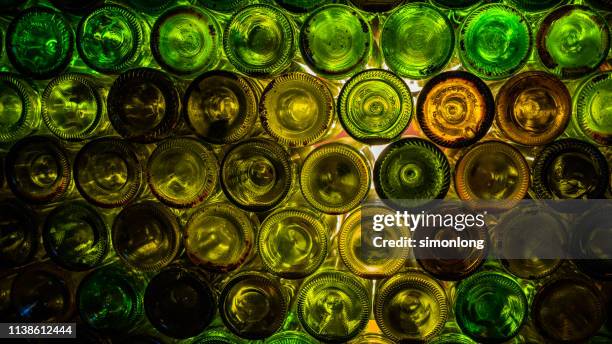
(199, 171)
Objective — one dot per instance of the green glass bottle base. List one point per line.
(111, 39)
(335, 41)
(76, 237)
(40, 42)
(573, 40)
(410, 172)
(186, 40)
(72, 106)
(375, 106)
(495, 41)
(417, 40)
(593, 113)
(490, 306)
(259, 40)
(19, 108)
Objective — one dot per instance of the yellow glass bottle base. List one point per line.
(292, 243)
(297, 109)
(492, 171)
(352, 245)
(411, 306)
(335, 178)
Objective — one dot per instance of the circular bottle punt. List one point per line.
(410, 172)
(495, 41)
(40, 42)
(179, 302)
(570, 169)
(108, 173)
(375, 106)
(569, 310)
(336, 41)
(335, 178)
(417, 40)
(490, 307)
(146, 236)
(224, 5)
(186, 40)
(573, 40)
(42, 294)
(259, 40)
(72, 106)
(589, 240)
(593, 118)
(252, 305)
(75, 237)
(551, 237)
(376, 5)
(292, 243)
(536, 5)
(111, 39)
(143, 105)
(256, 174)
(217, 336)
(110, 309)
(333, 306)
(151, 6)
(297, 109)
(411, 306)
(492, 171)
(455, 109)
(451, 264)
(38, 170)
(452, 338)
(221, 106)
(219, 237)
(290, 337)
(533, 108)
(455, 3)
(301, 6)
(356, 249)
(18, 234)
(77, 7)
(19, 108)
(182, 172)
